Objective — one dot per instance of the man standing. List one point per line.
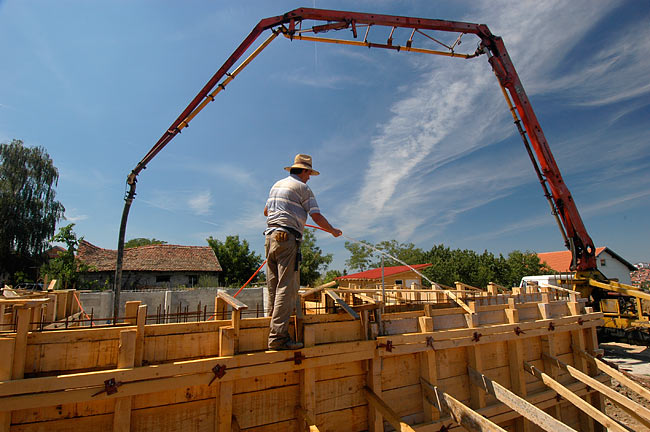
(286, 210)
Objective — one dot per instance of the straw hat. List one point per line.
(302, 161)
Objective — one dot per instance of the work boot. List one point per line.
(287, 346)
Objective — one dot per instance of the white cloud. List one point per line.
(72, 215)
(428, 164)
(200, 203)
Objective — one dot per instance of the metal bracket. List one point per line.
(580, 321)
(551, 326)
(219, 371)
(110, 387)
(430, 342)
(476, 337)
(519, 331)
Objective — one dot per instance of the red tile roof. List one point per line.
(388, 271)
(561, 261)
(165, 258)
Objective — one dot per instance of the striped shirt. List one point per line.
(289, 203)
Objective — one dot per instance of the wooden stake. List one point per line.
(574, 399)
(461, 413)
(20, 348)
(522, 406)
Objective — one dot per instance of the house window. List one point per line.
(398, 281)
(192, 280)
(602, 262)
(163, 278)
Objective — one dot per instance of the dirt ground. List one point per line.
(635, 360)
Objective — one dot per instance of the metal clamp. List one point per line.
(298, 357)
(476, 336)
(219, 371)
(551, 326)
(430, 342)
(110, 387)
(519, 331)
(388, 345)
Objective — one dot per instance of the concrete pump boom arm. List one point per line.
(572, 227)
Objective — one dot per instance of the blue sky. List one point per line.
(410, 147)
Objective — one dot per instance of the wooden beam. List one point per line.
(619, 376)
(639, 412)
(576, 400)
(311, 291)
(520, 405)
(391, 417)
(343, 304)
(461, 413)
(307, 419)
(307, 379)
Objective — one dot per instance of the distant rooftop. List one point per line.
(376, 273)
(164, 258)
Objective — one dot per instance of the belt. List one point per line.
(290, 230)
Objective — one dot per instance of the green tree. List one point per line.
(28, 208)
(313, 259)
(140, 241)
(522, 264)
(360, 256)
(66, 268)
(237, 261)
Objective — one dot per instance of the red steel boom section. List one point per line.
(289, 24)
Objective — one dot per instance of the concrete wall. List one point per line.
(101, 302)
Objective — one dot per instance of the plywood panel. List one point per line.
(349, 420)
(404, 400)
(494, 355)
(266, 382)
(265, 407)
(341, 393)
(457, 386)
(195, 416)
(93, 423)
(337, 332)
(400, 371)
(340, 370)
(451, 362)
(179, 395)
(55, 412)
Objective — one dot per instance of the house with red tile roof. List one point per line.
(151, 266)
(397, 275)
(611, 264)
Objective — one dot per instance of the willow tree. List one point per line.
(28, 208)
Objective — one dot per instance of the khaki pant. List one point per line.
(282, 284)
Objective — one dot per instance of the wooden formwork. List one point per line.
(423, 370)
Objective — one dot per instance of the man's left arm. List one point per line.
(322, 222)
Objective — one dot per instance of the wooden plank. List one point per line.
(232, 301)
(131, 312)
(574, 399)
(139, 342)
(381, 406)
(126, 359)
(462, 414)
(619, 376)
(224, 402)
(639, 412)
(6, 371)
(373, 381)
(518, 404)
(339, 301)
(307, 379)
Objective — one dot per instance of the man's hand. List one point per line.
(336, 232)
